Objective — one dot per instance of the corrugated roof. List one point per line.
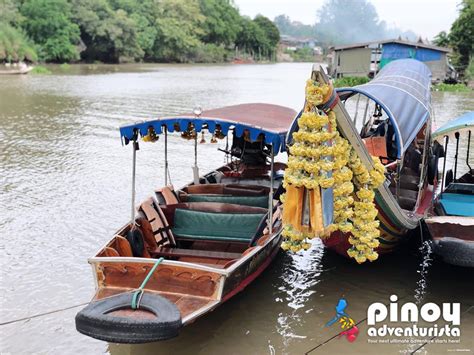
(407, 43)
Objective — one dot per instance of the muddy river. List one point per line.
(66, 188)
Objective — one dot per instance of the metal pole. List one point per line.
(195, 168)
(195, 150)
(456, 135)
(270, 196)
(468, 148)
(166, 156)
(357, 110)
(444, 160)
(134, 165)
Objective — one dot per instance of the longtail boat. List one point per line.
(388, 118)
(451, 220)
(186, 251)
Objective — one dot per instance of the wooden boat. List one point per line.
(16, 70)
(451, 220)
(398, 133)
(197, 246)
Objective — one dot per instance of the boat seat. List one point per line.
(256, 201)
(457, 204)
(199, 225)
(166, 195)
(159, 225)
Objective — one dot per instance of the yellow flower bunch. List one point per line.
(294, 240)
(317, 151)
(312, 121)
(366, 229)
(315, 94)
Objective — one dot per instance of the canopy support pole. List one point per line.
(166, 156)
(357, 110)
(446, 141)
(270, 195)
(456, 135)
(195, 167)
(134, 166)
(468, 149)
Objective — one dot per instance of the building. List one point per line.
(365, 59)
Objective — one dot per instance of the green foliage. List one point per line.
(461, 36)
(272, 35)
(258, 37)
(209, 53)
(304, 54)
(48, 23)
(179, 28)
(469, 73)
(451, 87)
(110, 35)
(222, 21)
(349, 81)
(293, 28)
(441, 39)
(9, 12)
(116, 31)
(40, 70)
(14, 45)
(348, 21)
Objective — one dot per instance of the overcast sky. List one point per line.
(425, 17)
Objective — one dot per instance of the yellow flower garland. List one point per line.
(318, 149)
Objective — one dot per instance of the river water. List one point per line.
(66, 188)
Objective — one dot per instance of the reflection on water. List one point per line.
(299, 278)
(65, 190)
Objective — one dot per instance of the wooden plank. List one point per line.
(177, 252)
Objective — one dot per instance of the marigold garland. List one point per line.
(318, 150)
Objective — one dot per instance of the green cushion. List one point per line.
(215, 226)
(255, 201)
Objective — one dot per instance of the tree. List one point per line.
(348, 21)
(222, 21)
(9, 13)
(14, 46)
(49, 24)
(293, 28)
(271, 31)
(109, 35)
(461, 36)
(179, 25)
(251, 37)
(441, 39)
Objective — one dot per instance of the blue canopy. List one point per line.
(271, 121)
(460, 124)
(402, 89)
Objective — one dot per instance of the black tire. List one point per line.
(455, 251)
(95, 322)
(135, 238)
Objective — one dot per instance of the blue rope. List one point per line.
(137, 293)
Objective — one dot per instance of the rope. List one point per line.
(137, 295)
(43, 314)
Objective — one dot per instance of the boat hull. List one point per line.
(391, 236)
(195, 289)
(453, 239)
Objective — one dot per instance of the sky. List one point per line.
(424, 17)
